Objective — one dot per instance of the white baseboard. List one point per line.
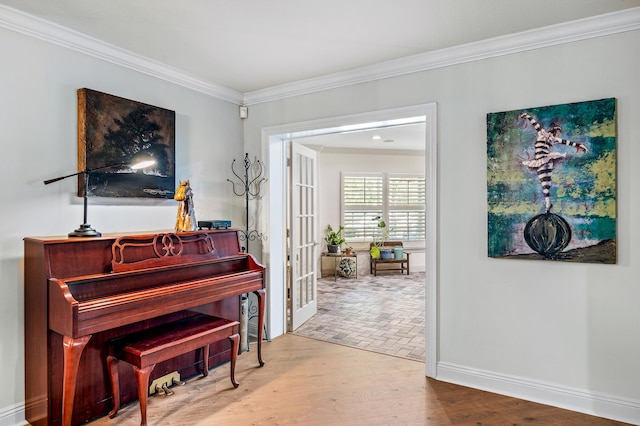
(12, 415)
(580, 400)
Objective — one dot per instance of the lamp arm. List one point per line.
(85, 230)
(47, 182)
(85, 171)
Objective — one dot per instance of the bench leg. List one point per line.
(235, 343)
(142, 376)
(205, 360)
(112, 365)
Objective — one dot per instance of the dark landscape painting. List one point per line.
(551, 182)
(115, 133)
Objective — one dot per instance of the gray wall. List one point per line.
(542, 325)
(38, 83)
(571, 327)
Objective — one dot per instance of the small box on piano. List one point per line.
(214, 224)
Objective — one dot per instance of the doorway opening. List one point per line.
(275, 151)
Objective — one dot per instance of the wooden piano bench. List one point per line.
(145, 349)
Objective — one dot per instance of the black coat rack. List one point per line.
(248, 185)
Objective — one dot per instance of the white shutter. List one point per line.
(398, 199)
(407, 219)
(362, 202)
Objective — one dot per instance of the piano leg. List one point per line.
(261, 295)
(112, 365)
(72, 350)
(142, 377)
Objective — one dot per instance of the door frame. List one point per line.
(273, 222)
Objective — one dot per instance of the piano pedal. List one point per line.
(167, 379)
(178, 382)
(166, 389)
(160, 390)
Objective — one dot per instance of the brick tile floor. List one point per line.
(382, 314)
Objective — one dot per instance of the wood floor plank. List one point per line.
(308, 382)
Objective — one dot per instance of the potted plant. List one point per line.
(383, 234)
(334, 239)
(348, 250)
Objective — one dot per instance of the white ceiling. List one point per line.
(248, 45)
(402, 138)
(255, 45)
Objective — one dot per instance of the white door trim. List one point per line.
(274, 252)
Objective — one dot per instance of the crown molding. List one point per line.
(367, 151)
(568, 32)
(38, 28)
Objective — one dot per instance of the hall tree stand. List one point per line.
(248, 184)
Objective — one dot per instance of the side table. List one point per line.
(337, 257)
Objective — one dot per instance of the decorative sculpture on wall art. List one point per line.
(549, 197)
(114, 130)
(186, 217)
(248, 185)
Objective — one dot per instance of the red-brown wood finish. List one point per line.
(74, 300)
(145, 349)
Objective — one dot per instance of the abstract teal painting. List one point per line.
(551, 182)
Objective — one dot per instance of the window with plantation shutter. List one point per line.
(398, 199)
(362, 201)
(406, 210)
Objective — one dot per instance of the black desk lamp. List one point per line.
(85, 230)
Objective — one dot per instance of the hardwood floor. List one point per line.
(310, 382)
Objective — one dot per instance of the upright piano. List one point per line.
(80, 293)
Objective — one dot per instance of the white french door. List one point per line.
(302, 282)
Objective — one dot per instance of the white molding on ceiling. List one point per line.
(365, 151)
(36, 27)
(568, 32)
(597, 26)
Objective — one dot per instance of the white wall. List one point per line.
(330, 166)
(561, 333)
(535, 329)
(38, 83)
